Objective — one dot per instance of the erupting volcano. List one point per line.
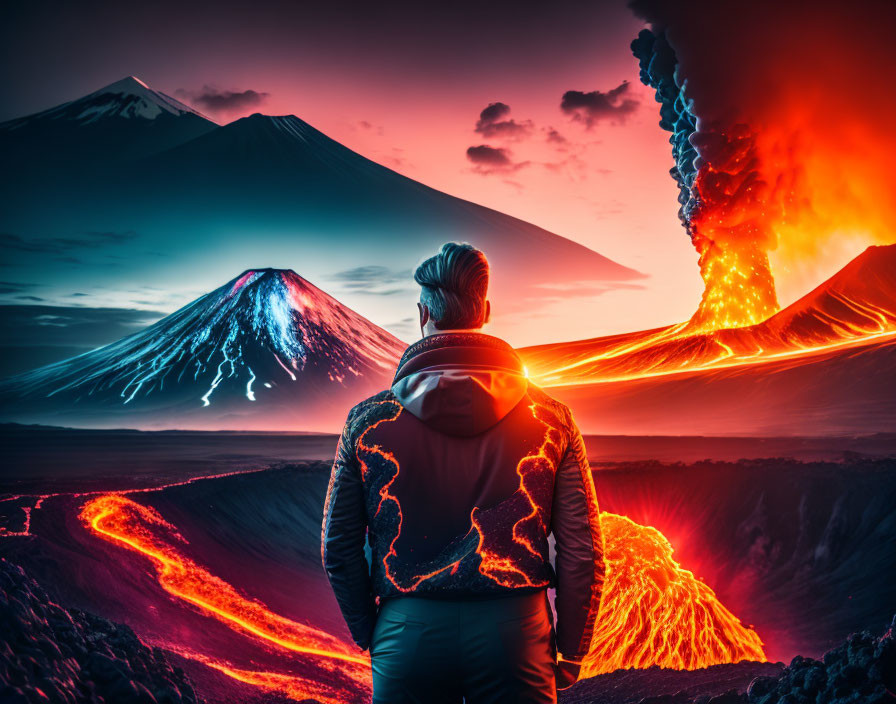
(781, 140)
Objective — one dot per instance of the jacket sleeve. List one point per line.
(342, 543)
(580, 560)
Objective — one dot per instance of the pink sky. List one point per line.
(406, 91)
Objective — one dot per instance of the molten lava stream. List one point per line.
(139, 528)
(653, 611)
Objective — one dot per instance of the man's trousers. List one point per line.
(433, 651)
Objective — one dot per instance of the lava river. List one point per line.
(653, 612)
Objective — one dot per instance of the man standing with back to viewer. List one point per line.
(456, 476)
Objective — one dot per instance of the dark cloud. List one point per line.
(493, 123)
(375, 280)
(14, 287)
(597, 106)
(488, 160)
(554, 137)
(34, 335)
(58, 245)
(215, 100)
(30, 298)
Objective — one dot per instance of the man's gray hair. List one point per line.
(454, 286)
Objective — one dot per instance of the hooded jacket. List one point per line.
(456, 476)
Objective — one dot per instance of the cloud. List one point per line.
(405, 329)
(489, 160)
(30, 298)
(58, 245)
(573, 167)
(34, 335)
(370, 127)
(552, 136)
(374, 280)
(216, 100)
(14, 287)
(493, 125)
(597, 106)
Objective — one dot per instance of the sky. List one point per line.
(534, 111)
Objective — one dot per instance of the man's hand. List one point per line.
(566, 673)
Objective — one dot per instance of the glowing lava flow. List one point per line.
(654, 612)
(141, 529)
(853, 308)
(292, 686)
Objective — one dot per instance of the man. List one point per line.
(456, 476)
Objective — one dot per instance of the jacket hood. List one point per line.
(460, 383)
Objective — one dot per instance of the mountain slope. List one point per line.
(123, 120)
(269, 185)
(824, 365)
(857, 303)
(267, 350)
(285, 168)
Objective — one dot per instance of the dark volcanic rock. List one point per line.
(54, 655)
(658, 685)
(862, 670)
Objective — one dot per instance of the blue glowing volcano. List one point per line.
(268, 350)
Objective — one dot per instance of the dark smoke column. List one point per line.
(726, 208)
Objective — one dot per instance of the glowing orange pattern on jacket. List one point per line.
(501, 568)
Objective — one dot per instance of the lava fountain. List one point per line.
(726, 206)
(653, 612)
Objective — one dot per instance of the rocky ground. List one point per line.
(56, 655)
(862, 670)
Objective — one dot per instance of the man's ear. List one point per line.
(424, 314)
(488, 312)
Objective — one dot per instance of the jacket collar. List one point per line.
(462, 349)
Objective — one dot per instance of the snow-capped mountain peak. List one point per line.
(130, 97)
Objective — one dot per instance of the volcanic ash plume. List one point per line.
(725, 205)
(782, 136)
